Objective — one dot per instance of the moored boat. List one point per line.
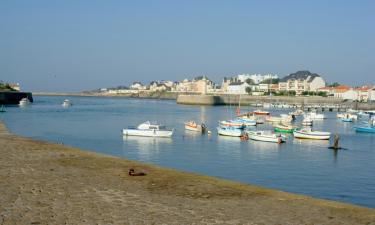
(24, 102)
(229, 131)
(368, 129)
(307, 133)
(266, 136)
(247, 121)
(232, 123)
(284, 128)
(147, 129)
(66, 103)
(307, 121)
(316, 116)
(260, 112)
(193, 126)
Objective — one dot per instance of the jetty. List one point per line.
(45, 183)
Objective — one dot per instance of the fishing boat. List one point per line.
(24, 102)
(229, 131)
(66, 103)
(260, 112)
(347, 120)
(2, 108)
(193, 126)
(307, 121)
(147, 129)
(284, 128)
(316, 116)
(232, 123)
(307, 133)
(266, 136)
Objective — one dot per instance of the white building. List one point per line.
(371, 94)
(301, 81)
(138, 86)
(237, 88)
(257, 78)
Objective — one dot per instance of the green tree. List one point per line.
(248, 90)
(250, 81)
(270, 81)
(335, 84)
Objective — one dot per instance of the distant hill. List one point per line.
(302, 74)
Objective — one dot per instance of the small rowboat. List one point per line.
(232, 123)
(229, 131)
(284, 128)
(260, 112)
(265, 136)
(193, 126)
(309, 134)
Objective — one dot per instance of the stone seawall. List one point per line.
(13, 97)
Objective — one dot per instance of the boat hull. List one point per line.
(229, 132)
(312, 135)
(365, 129)
(273, 139)
(148, 133)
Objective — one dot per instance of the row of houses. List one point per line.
(299, 83)
(363, 93)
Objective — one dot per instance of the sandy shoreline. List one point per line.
(44, 183)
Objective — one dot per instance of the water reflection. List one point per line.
(146, 147)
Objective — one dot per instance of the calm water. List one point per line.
(305, 167)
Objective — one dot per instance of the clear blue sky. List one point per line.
(79, 45)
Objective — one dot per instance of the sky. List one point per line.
(75, 45)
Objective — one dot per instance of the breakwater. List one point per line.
(311, 102)
(13, 97)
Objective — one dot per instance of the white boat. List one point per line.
(260, 112)
(250, 116)
(307, 121)
(24, 102)
(147, 129)
(247, 121)
(229, 131)
(193, 126)
(347, 116)
(298, 112)
(266, 136)
(283, 118)
(307, 133)
(316, 116)
(66, 103)
(232, 123)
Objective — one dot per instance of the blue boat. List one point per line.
(347, 120)
(365, 129)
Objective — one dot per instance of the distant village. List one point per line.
(300, 83)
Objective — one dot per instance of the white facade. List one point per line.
(138, 86)
(347, 95)
(371, 94)
(316, 83)
(237, 88)
(257, 78)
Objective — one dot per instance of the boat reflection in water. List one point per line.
(146, 147)
(311, 143)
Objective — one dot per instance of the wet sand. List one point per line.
(44, 183)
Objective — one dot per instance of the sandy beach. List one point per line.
(45, 183)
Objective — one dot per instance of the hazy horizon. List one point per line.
(84, 45)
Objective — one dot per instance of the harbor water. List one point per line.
(298, 166)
